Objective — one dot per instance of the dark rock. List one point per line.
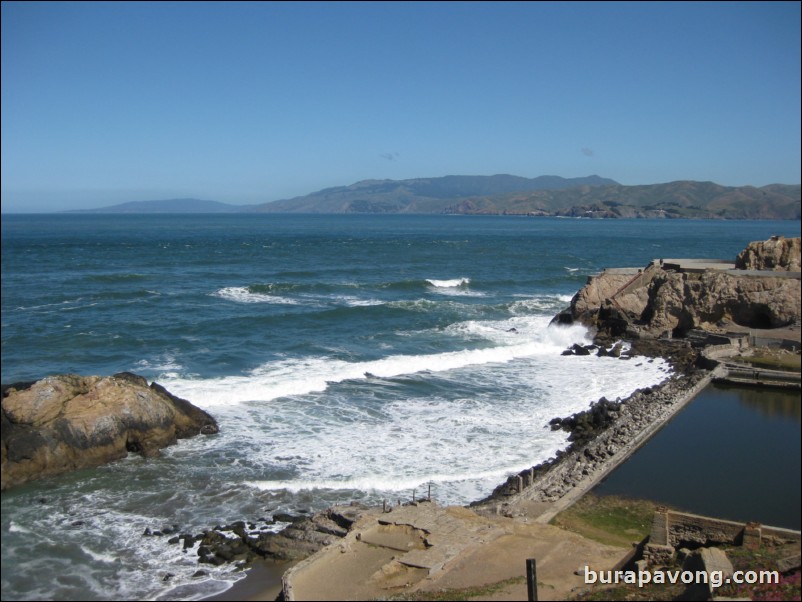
(303, 537)
(213, 560)
(282, 517)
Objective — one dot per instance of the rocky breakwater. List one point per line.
(669, 298)
(66, 422)
(602, 436)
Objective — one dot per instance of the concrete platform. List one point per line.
(427, 547)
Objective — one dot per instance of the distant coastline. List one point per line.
(546, 196)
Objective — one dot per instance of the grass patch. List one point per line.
(611, 520)
(772, 359)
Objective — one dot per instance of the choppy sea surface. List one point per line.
(345, 358)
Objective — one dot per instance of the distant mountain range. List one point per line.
(166, 206)
(592, 196)
(421, 195)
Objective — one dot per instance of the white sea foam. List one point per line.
(15, 528)
(377, 483)
(351, 301)
(46, 305)
(165, 364)
(300, 376)
(98, 556)
(241, 294)
(548, 304)
(478, 415)
(464, 446)
(449, 283)
(454, 287)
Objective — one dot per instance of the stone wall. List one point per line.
(672, 530)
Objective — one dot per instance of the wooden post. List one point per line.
(430, 492)
(413, 495)
(531, 579)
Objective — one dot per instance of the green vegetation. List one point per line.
(544, 196)
(611, 520)
(764, 558)
(772, 359)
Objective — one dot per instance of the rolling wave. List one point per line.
(299, 376)
(456, 282)
(244, 294)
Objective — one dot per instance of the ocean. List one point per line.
(345, 358)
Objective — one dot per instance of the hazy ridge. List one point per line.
(502, 194)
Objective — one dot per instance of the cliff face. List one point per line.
(65, 422)
(659, 300)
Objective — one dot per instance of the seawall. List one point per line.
(572, 474)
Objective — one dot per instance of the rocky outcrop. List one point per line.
(65, 422)
(282, 537)
(777, 254)
(662, 300)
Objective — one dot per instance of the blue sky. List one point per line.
(251, 102)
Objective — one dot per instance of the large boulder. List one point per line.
(777, 254)
(65, 422)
